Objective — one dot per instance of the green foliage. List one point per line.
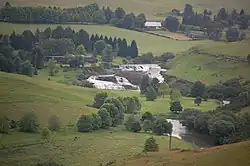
(132, 124)
(45, 133)
(164, 89)
(81, 50)
(151, 94)
(85, 123)
(107, 54)
(97, 121)
(75, 61)
(27, 68)
(116, 103)
(131, 104)
(198, 100)
(151, 145)
(105, 118)
(144, 84)
(4, 125)
(116, 115)
(198, 89)
(54, 123)
(147, 116)
(52, 67)
(99, 17)
(175, 95)
(188, 117)
(176, 107)
(99, 46)
(171, 23)
(147, 125)
(162, 126)
(29, 123)
(99, 99)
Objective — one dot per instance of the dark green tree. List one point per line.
(99, 99)
(97, 121)
(133, 50)
(119, 13)
(132, 124)
(147, 116)
(198, 100)
(197, 89)
(99, 17)
(29, 123)
(176, 107)
(27, 68)
(105, 118)
(85, 123)
(116, 116)
(99, 46)
(151, 145)
(151, 94)
(171, 23)
(147, 125)
(162, 126)
(144, 84)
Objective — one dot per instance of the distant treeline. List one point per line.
(88, 14)
(30, 49)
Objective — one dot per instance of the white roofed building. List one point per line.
(152, 25)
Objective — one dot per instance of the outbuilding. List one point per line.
(152, 25)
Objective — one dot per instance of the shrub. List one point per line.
(99, 99)
(45, 133)
(151, 145)
(29, 123)
(97, 121)
(116, 116)
(198, 100)
(85, 123)
(105, 118)
(147, 125)
(150, 94)
(54, 123)
(176, 107)
(162, 126)
(132, 124)
(147, 116)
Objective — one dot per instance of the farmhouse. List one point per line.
(152, 25)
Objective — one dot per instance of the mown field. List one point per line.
(145, 42)
(229, 155)
(154, 9)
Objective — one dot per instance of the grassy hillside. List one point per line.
(229, 155)
(150, 8)
(207, 68)
(145, 42)
(19, 94)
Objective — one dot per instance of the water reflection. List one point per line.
(197, 140)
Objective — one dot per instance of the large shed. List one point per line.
(152, 25)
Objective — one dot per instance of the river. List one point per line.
(197, 140)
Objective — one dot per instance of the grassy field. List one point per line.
(229, 155)
(239, 49)
(152, 8)
(90, 149)
(19, 94)
(207, 68)
(145, 42)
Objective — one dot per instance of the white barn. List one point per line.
(152, 25)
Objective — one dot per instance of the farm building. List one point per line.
(152, 25)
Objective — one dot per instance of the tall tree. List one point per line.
(120, 13)
(133, 50)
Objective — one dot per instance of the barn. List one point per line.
(150, 25)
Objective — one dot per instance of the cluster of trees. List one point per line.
(222, 125)
(29, 124)
(111, 112)
(149, 123)
(88, 14)
(211, 26)
(25, 53)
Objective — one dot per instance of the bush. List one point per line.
(97, 121)
(176, 107)
(132, 124)
(45, 133)
(147, 116)
(116, 116)
(151, 145)
(29, 123)
(150, 94)
(99, 99)
(147, 125)
(162, 126)
(85, 123)
(54, 123)
(198, 100)
(105, 118)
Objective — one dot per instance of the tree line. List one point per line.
(25, 53)
(212, 26)
(91, 13)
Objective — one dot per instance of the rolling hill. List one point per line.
(229, 155)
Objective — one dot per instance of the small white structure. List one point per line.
(152, 25)
(225, 102)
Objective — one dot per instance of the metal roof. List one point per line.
(152, 24)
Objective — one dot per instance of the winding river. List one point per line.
(197, 140)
